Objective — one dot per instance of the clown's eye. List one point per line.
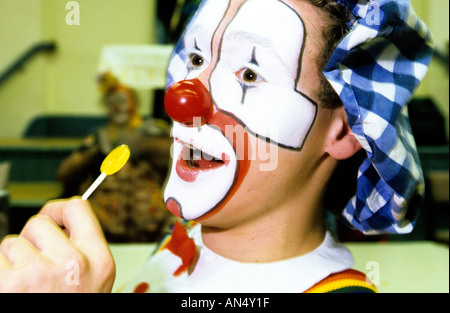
(195, 61)
(248, 76)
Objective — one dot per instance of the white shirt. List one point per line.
(215, 273)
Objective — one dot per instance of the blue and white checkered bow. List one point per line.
(375, 70)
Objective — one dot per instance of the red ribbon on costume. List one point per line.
(181, 245)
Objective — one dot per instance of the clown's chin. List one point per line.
(198, 182)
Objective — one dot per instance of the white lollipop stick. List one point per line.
(94, 186)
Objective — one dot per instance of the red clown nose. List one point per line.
(189, 102)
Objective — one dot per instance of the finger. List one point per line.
(4, 262)
(17, 251)
(46, 236)
(77, 217)
(85, 232)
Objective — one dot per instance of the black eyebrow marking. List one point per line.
(253, 59)
(195, 45)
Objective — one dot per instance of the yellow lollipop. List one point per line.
(113, 162)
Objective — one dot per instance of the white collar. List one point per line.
(290, 275)
(215, 273)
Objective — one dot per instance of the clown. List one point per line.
(267, 97)
(252, 98)
(246, 77)
(242, 84)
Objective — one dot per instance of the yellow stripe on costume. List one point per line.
(346, 281)
(163, 243)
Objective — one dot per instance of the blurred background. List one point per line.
(52, 105)
(76, 79)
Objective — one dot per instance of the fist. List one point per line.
(61, 249)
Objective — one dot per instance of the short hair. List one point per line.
(342, 184)
(335, 29)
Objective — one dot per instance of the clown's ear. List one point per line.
(341, 143)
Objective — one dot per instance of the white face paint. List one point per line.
(196, 40)
(253, 85)
(256, 76)
(193, 191)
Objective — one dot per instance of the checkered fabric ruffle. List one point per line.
(375, 69)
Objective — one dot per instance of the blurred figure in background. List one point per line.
(128, 204)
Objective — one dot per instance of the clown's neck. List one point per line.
(274, 237)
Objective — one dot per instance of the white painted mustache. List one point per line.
(211, 144)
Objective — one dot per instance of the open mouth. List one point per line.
(204, 171)
(192, 162)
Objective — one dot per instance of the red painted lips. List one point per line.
(192, 162)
